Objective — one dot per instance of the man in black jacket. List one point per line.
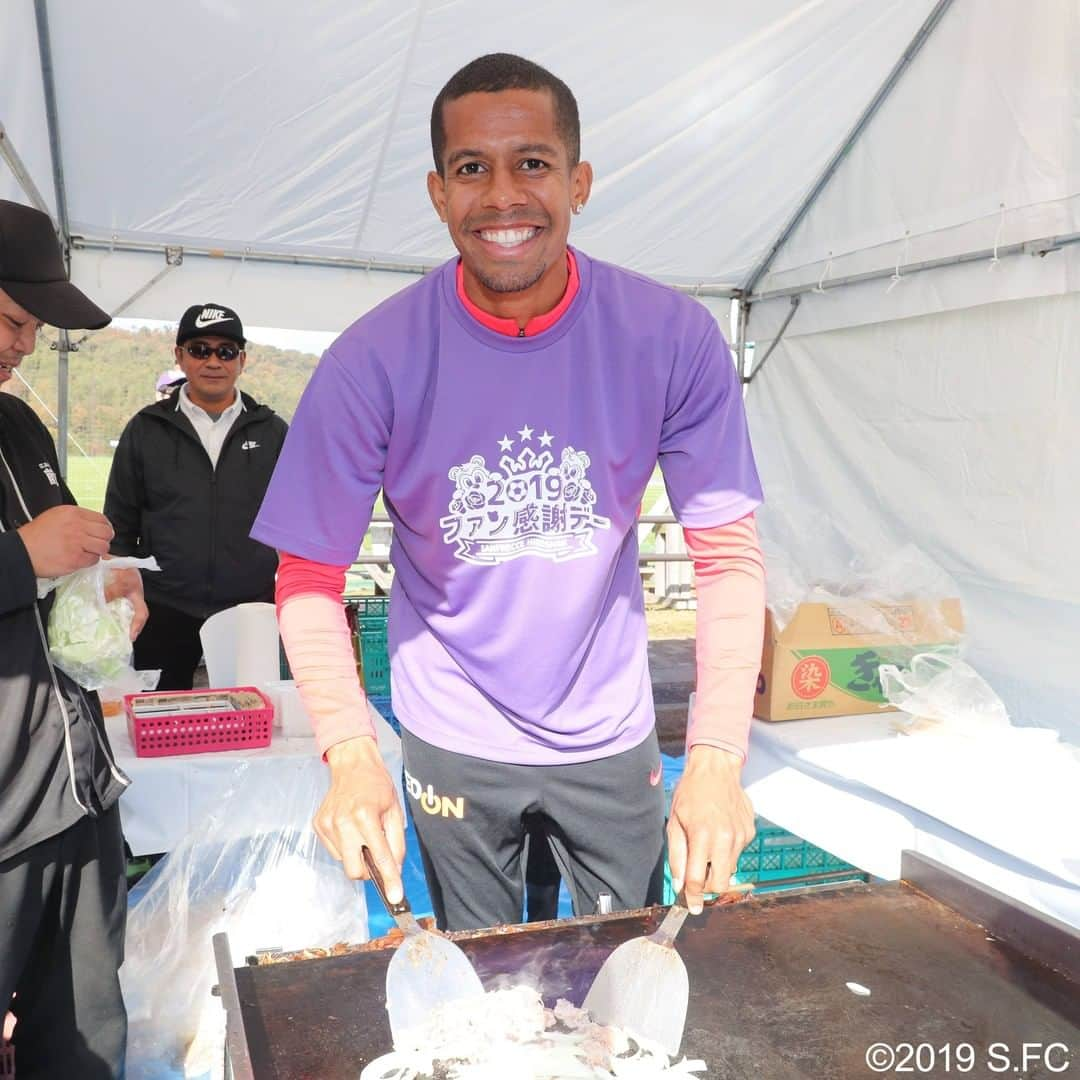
(63, 899)
(186, 483)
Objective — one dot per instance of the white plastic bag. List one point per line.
(89, 638)
(942, 689)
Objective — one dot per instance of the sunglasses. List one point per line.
(199, 350)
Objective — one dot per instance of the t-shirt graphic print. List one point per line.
(530, 503)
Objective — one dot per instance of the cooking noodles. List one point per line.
(509, 1033)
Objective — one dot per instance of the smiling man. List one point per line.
(186, 482)
(512, 406)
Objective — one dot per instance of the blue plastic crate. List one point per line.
(773, 857)
(775, 854)
(368, 620)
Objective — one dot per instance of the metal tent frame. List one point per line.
(744, 294)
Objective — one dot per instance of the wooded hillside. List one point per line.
(114, 372)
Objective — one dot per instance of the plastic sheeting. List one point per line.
(252, 868)
(707, 127)
(854, 787)
(956, 433)
(976, 145)
(303, 129)
(170, 795)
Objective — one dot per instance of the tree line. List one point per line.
(114, 372)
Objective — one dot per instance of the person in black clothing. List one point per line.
(63, 900)
(186, 482)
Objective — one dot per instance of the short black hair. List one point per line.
(495, 72)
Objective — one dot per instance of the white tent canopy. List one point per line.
(271, 129)
(907, 170)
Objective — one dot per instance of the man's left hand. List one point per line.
(711, 822)
(128, 583)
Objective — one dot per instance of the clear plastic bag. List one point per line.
(89, 638)
(810, 559)
(940, 691)
(254, 869)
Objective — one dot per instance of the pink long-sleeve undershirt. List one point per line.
(316, 638)
(729, 575)
(730, 581)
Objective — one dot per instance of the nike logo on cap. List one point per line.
(210, 315)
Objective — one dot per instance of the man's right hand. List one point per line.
(361, 809)
(65, 538)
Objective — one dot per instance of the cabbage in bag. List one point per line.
(89, 639)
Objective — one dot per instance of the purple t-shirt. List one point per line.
(513, 469)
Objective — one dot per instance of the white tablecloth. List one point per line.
(169, 795)
(1005, 815)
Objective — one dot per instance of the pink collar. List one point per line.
(538, 323)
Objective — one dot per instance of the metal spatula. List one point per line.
(643, 986)
(426, 970)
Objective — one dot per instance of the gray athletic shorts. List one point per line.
(604, 820)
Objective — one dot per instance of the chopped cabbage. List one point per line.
(89, 639)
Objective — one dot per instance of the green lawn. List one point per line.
(87, 477)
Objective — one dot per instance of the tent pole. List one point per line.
(63, 346)
(909, 54)
(174, 257)
(22, 174)
(742, 322)
(388, 266)
(775, 341)
(1043, 246)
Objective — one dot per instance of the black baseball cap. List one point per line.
(210, 320)
(32, 271)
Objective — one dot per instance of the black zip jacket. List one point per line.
(55, 761)
(166, 499)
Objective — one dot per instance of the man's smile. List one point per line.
(508, 238)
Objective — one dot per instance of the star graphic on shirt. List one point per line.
(526, 433)
(545, 439)
(506, 443)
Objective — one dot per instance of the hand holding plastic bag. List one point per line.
(89, 636)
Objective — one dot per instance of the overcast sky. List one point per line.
(309, 341)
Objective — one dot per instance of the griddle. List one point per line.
(946, 961)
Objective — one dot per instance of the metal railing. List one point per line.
(383, 559)
(675, 582)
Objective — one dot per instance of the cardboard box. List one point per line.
(825, 661)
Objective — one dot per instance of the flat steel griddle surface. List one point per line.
(768, 994)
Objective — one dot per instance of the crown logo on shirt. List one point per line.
(535, 506)
(525, 462)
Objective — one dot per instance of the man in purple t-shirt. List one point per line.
(512, 406)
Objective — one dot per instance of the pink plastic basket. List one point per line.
(177, 722)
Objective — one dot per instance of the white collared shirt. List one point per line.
(211, 431)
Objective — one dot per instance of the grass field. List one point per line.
(87, 477)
